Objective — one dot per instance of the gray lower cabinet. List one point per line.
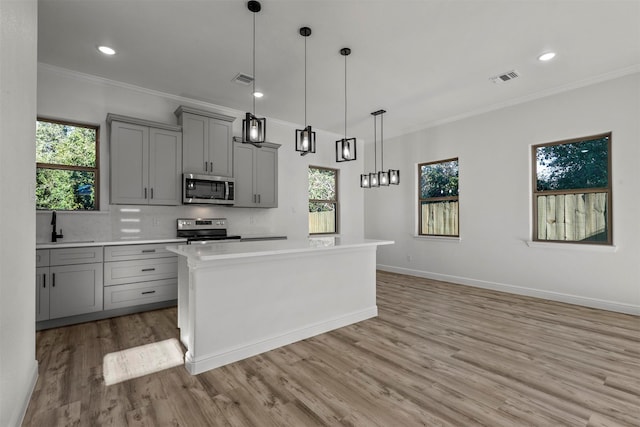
(139, 274)
(256, 175)
(43, 286)
(68, 282)
(146, 162)
(75, 289)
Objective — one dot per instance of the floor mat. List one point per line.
(143, 360)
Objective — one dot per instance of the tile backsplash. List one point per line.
(133, 223)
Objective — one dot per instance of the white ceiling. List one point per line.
(425, 62)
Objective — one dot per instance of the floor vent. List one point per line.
(505, 77)
(243, 79)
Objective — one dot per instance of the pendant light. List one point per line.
(374, 180)
(305, 138)
(345, 147)
(392, 176)
(383, 176)
(254, 128)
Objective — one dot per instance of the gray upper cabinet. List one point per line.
(256, 174)
(146, 162)
(207, 142)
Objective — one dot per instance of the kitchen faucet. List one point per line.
(54, 233)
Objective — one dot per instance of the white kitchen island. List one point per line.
(239, 299)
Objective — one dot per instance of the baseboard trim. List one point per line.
(215, 360)
(18, 416)
(519, 290)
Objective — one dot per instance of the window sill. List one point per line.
(438, 238)
(48, 212)
(584, 247)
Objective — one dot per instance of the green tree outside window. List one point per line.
(67, 171)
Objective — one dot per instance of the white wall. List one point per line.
(494, 159)
(76, 97)
(18, 366)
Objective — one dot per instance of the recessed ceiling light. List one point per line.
(258, 94)
(106, 50)
(548, 56)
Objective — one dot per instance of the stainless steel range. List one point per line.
(204, 230)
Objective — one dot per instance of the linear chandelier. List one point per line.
(381, 177)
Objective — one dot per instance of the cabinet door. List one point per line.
(129, 163)
(245, 195)
(195, 147)
(75, 289)
(220, 148)
(165, 167)
(43, 285)
(266, 177)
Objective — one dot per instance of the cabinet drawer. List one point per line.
(82, 255)
(129, 252)
(143, 270)
(42, 258)
(140, 293)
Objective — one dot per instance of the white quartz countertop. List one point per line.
(80, 244)
(229, 250)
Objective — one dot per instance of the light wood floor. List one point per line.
(437, 354)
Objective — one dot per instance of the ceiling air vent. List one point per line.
(505, 77)
(243, 79)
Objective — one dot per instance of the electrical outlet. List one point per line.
(409, 258)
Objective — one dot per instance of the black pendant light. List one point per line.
(345, 147)
(254, 128)
(305, 138)
(383, 176)
(374, 180)
(392, 176)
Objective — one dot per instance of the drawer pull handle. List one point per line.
(148, 269)
(149, 292)
(148, 251)
(53, 280)
(44, 280)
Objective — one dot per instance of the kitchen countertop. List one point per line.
(86, 243)
(229, 250)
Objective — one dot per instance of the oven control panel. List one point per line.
(201, 223)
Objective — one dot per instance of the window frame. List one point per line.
(437, 199)
(95, 170)
(334, 202)
(609, 190)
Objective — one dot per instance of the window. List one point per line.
(438, 208)
(323, 200)
(572, 190)
(67, 172)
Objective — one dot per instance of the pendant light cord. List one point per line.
(382, 142)
(375, 153)
(305, 81)
(345, 97)
(254, 64)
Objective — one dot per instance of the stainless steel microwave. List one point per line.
(207, 189)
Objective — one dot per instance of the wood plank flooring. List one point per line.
(438, 354)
